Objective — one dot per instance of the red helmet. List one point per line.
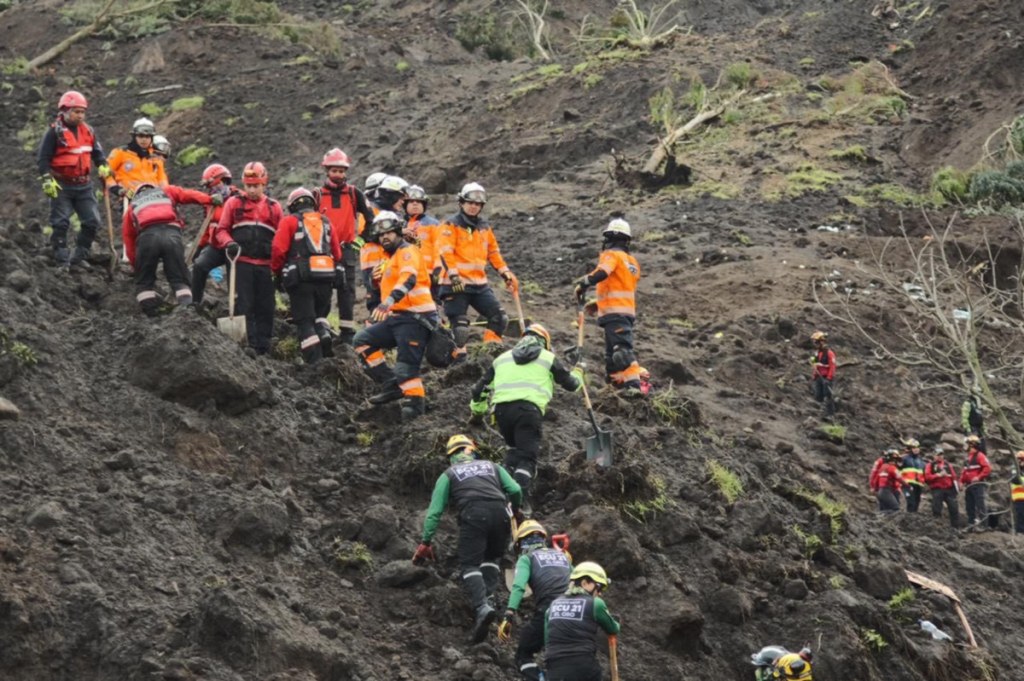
(336, 158)
(215, 174)
(254, 173)
(71, 99)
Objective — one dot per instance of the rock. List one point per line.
(380, 523)
(401, 574)
(795, 589)
(263, 527)
(880, 578)
(785, 327)
(604, 534)
(19, 280)
(728, 604)
(150, 58)
(8, 412)
(685, 625)
(184, 363)
(46, 516)
(570, 115)
(121, 461)
(327, 485)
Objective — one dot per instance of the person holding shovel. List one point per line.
(67, 153)
(305, 260)
(151, 229)
(480, 493)
(217, 181)
(464, 246)
(546, 572)
(571, 623)
(520, 383)
(615, 279)
(246, 233)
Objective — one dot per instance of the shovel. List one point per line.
(574, 355)
(599, 445)
(110, 234)
(199, 236)
(519, 309)
(613, 656)
(231, 326)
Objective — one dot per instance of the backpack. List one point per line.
(440, 346)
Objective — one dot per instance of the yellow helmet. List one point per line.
(972, 440)
(530, 527)
(1020, 454)
(540, 332)
(911, 442)
(590, 570)
(819, 336)
(457, 443)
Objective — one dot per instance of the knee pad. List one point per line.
(622, 358)
(460, 329)
(498, 323)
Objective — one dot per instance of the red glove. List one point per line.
(424, 552)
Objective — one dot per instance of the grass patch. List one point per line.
(530, 288)
(806, 178)
(364, 438)
(287, 349)
(31, 134)
(834, 431)
(835, 510)
(188, 103)
(14, 67)
(402, 66)
(893, 193)
(193, 154)
(640, 509)
(652, 235)
(873, 640)
(726, 481)
(351, 554)
(837, 582)
(151, 109)
(484, 31)
(902, 598)
(714, 189)
(742, 238)
(740, 75)
(812, 543)
(854, 153)
(951, 184)
(672, 409)
(681, 323)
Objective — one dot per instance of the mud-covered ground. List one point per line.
(173, 509)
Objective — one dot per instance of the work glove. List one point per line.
(115, 191)
(590, 307)
(479, 406)
(579, 375)
(233, 250)
(380, 313)
(457, 285)
(511, 283)
(582, 284)
(378, 272)
(340, 278)
(50, 186)
(359, 242)
(216, 200)
(103, 171)
(505, 628)
(424, 552)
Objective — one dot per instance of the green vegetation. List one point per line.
(653, 235)
(873, 640)
(902, 598)
(671, 408)
(807, 62)
(536, 79)
(151, 109)
(640, 509)
(867, 94)
(835, 510)
(484, 30)
(834, 432)
(837, 582)
(951, 184)
(186, 103)
(812, 542)
(998, 188)
(740, 75)
(193, 154)
(14, 66)
(364, 438)
(853, 153)
(402, 66)
(680, 322)
(742, 238)
(806, 178)
(639, 29)
(530, 288)
(31, 134)
(715, 189)
(287, 349)
(21, 353)
(348, 554)
(725, 480)
(890, 192)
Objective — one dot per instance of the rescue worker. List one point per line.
(217, 181)
(479, 491)
(794, 666)
(161, 151)
(1017, 493)
(912, 474)
(972, 479)
(347, 209)
(940, 476)
(136, 162)
(764, 661)
(68, 151)
(370, 185)
(546, 572)
(520, 383)
(421, 229)
(971, 418)
(389, 195)
(616, 277)
(151, 229)
(823, 372)
(246, 231)
(465, 244)
(885, 482)
(571, 622)
(306, 259)
(401, 320)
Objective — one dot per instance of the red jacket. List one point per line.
(977, 468)
(250, 224)
(338, 204)
(887, 475)
(153, 209)
(207, 236)
(873, 475)
(825, 364)
(940, 476)
(285, 244)
(72, 158)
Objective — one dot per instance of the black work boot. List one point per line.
(80, 256)
(476, 590)
(412, 408)
(390, 393)
(485, 615)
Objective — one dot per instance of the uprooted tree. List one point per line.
(961, 318)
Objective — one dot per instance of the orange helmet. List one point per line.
(214, 174)
(819, 336)
(336, 158)
(254, 173)
(71, 99)
(540, 332)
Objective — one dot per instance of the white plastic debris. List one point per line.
(937, 634)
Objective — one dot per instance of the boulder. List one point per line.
(8, 410)
(401, 574)
(685, 625)
(380, 523)
(46, 516)
(880, 578)
(728, 604)
(608, 539)
(262, 527)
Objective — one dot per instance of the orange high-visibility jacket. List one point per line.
(616, 294)
(404, 263)
(129, 169)
(466, 250)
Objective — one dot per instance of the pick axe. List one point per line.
(110, 234)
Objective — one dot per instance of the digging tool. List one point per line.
(485, 322)
(613, 656)
(110, 234)
(599, 445)
(510, 573)
(199, 236)
(574, 355)
(231, 326)
(927, 583)
(519, 309)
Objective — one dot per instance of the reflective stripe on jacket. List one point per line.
(72, 159)
(406, 261)
(129, 170)
(616, 294)
(467, 250)
(532, 381)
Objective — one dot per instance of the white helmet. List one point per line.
(393, 183)
(161, 144)
(474, 192)
(143, 126)
(373, 181)
(387, 221)
(618, 227)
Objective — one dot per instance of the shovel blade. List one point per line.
(600, 448)
(233, 328)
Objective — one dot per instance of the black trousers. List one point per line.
(949, 498)
(209, 259)
(1018, 517)
(974, 501)
(310, 303)
(581, 668)
(347, 293)
(531, 642)
(255, 289)
(913, 496)
(519, 423)
(888, 502)
(155, 245)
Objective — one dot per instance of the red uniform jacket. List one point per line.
(284, 240)
(161, 211)
(207, 236)
(940, 476)
(977, 468)
(825, 364)
(887, 475)
(251, 224)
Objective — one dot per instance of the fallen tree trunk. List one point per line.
(665, 145)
